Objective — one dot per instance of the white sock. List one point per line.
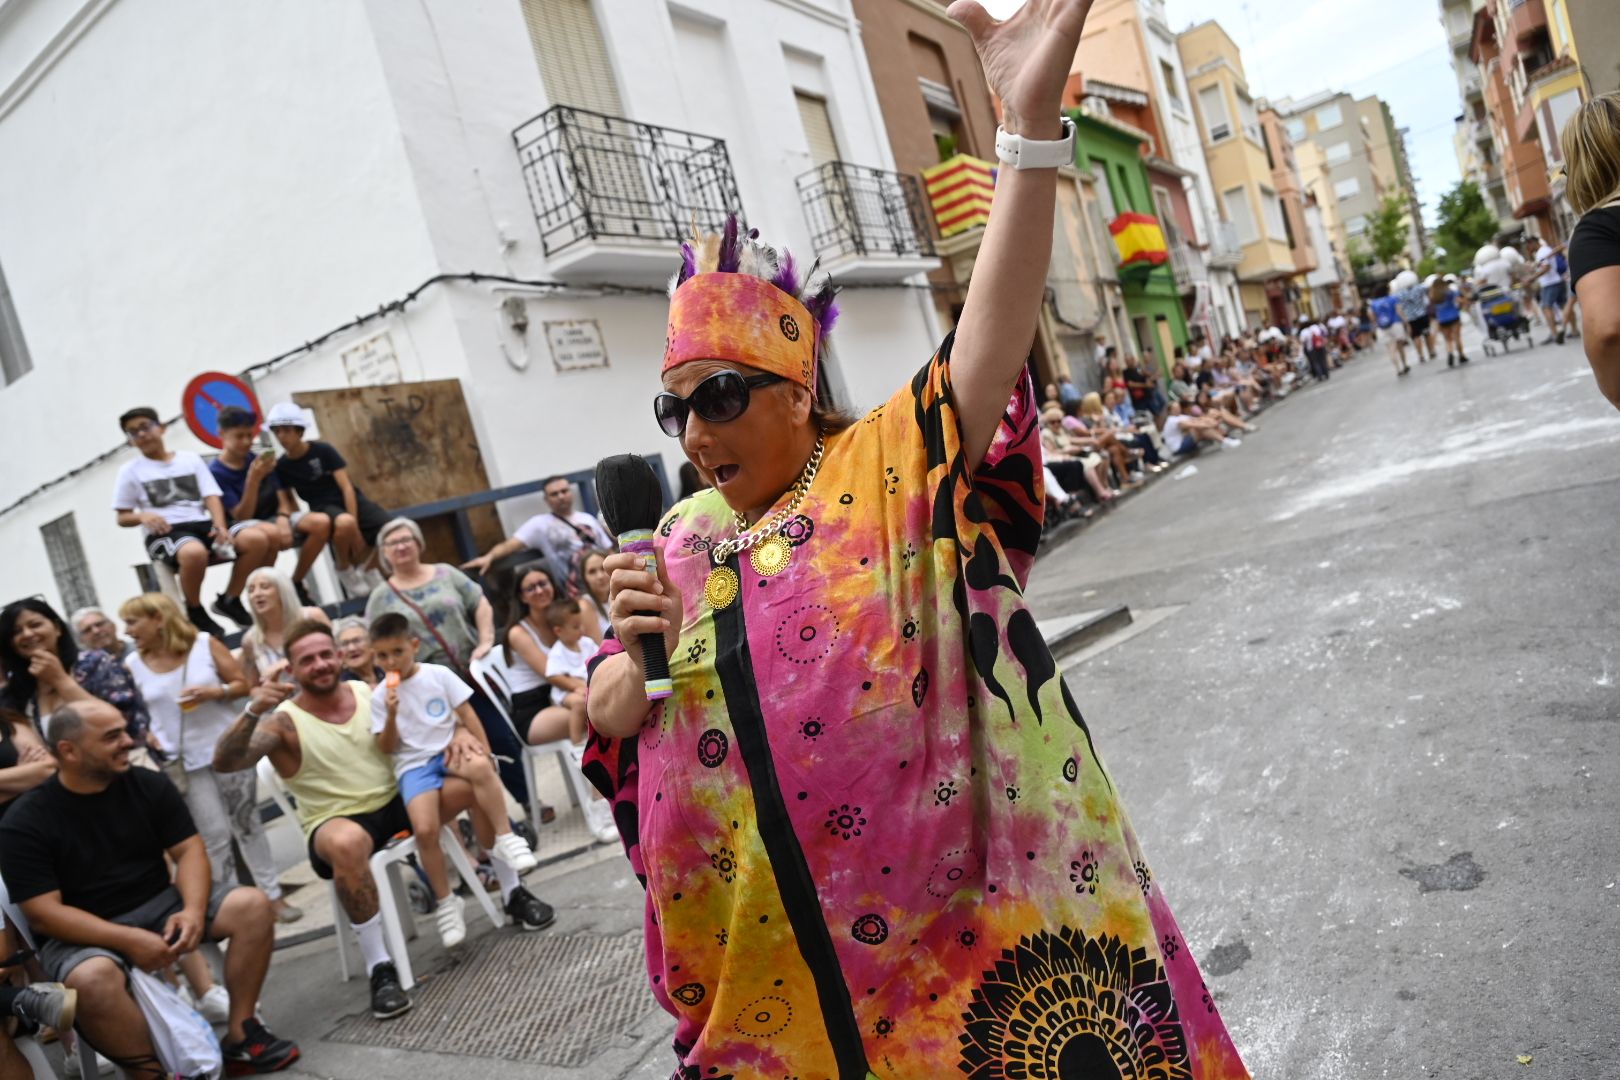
(507, 876)
(373, 944)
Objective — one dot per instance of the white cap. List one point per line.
(286, 414)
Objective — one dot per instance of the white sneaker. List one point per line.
(452, 924)
(353, 580)
(1230, 443)
(71, 1061)
(511, 850)
(215, 1005)
(599, 819)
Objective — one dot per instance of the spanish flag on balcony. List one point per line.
(960, 189)
(1140, 241)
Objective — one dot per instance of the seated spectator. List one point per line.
(354, 645)
(1181, 386)
(456, 624)
(1206, 404)
(1119, 406)
(1069, 395)
(558, 534)
(1142, 384)
(1183, 433)
(274, 603)
(189, 681)
(1126, 452)
(175, 501)
(426, 704)
(526, 644)
(315, 472)
(568, 656)
(45, 670)
(317, 734)
(1072, 468)
(83, 855)
(252, 494)
(591, 584)
(94, 630)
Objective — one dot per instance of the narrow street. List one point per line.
(1371, 741)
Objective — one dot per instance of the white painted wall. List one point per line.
(188, 186)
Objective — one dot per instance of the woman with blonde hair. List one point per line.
(272, 600)
(1591, 143)
(189, 680)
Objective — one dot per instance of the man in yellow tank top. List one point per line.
(319, 740)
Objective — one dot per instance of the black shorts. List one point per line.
(370, 517)
(381, 824)
(166, 548)
(1419, 325)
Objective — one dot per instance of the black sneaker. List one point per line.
(47, 1004)
(199, 618)
(303, 593)
(529, 911)
(388, 998)
(258, 1052)
(231, 607)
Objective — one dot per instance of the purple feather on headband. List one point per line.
(787, 275)
(823, 307)
(688, 263)
(730, 251)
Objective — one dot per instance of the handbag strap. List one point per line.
(455, 661)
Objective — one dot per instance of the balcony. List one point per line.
(1187, 266)
(613, 198)
(866, 224)
(1473, 87)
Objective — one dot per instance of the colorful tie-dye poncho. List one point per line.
(875, 834)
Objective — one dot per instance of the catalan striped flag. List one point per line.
(960, 189)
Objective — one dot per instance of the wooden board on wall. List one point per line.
(408, 444)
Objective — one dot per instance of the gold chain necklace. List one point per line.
(768, 553)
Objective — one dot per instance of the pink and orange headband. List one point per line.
(737, 299)
(743, 319)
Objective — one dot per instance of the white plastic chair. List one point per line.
(399, 922)
(30, 1048)
(489, 672)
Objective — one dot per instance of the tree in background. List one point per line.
(1466, 224)
(1361, 261)
(1387, 229)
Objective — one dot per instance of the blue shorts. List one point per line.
(429, 776)
(1554, 295)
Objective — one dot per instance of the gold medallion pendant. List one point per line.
(771, 557)
(721, 587)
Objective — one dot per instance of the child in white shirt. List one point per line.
(566, 662)
(424, 705)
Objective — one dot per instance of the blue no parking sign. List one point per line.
(210, 392)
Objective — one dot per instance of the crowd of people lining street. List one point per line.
(130, 741)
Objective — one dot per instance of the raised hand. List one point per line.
(1027, 58)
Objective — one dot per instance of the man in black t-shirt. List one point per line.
(317, 473)
(83, 856)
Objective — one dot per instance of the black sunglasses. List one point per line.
(719, 399)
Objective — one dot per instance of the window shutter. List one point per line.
(818, 128)
(573, 57)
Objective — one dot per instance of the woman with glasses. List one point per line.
(876, 836)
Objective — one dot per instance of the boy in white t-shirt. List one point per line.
(175, 501)
(424, 703)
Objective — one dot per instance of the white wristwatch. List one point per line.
(1022, 153)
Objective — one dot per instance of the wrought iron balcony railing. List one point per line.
(592, 176)
(859, 212)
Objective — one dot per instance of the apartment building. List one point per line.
(1477, 157)
(1234, 147)
(1394, 169)
(1495, 51)
(1290, 191)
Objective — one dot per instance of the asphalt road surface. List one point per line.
(1366, 726)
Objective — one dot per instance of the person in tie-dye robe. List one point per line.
(876, 837)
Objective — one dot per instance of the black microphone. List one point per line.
(632, 501)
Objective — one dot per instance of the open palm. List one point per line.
(1026, 58)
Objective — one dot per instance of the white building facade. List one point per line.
(188, 186)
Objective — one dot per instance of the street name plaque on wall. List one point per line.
(576, 344)
(372, 362)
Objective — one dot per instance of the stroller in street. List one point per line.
(1504, 318)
